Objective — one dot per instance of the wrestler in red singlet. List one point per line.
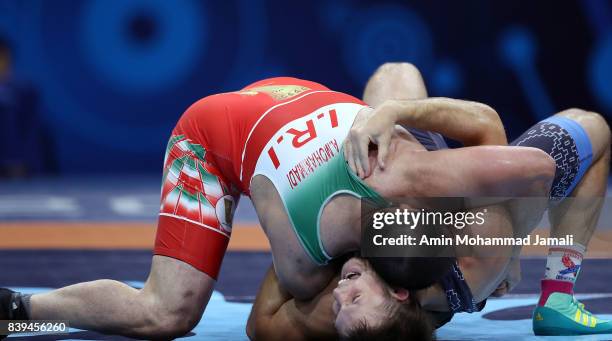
(211, 157)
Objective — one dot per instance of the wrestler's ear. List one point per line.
(400, 294)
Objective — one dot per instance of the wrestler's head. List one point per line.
(366, 307)
(412, 273)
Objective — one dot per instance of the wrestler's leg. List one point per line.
(189, 248)
(577, 194)
(580, 147)
(579, 217)
(170, 304)
(401, 81)
(394, 81)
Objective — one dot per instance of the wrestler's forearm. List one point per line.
(278, 316)
(470, 123)
(269, 301)
(270, 297)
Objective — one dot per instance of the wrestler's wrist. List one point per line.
(391, 110)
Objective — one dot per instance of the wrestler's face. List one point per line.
(361, 297)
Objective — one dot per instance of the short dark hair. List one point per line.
(408, 321)
(419, 266)
(412, 273)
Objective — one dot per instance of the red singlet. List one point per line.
(211, 157)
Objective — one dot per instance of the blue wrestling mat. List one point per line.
(225, 318)
(136, 199)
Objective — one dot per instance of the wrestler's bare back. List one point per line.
(411, 171)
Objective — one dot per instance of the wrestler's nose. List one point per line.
(339, 295)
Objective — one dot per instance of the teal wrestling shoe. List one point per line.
(562, 314)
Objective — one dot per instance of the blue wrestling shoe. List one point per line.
(562, 314)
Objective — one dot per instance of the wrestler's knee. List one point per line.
(401, 75)
(174, 320)
(595, 125)
(399, 68)
(593, 122)
(398, 81)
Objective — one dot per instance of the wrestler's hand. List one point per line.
(514, 273)
(512, 279)
(376, 126)
(502, 289)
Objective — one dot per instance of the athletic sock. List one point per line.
(562, 268)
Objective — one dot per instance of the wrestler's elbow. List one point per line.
(256, 328)
(513, 172)
(490, 126)
(267, 329)
(542, 165)
(250, 329)
(538, 171)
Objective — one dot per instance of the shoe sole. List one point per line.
(542, 329)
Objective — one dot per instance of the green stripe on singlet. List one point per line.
(306, 202)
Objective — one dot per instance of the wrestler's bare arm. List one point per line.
(470, 123)
(276, 315)
(482, 171)
(488, 171)
(266, 313)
